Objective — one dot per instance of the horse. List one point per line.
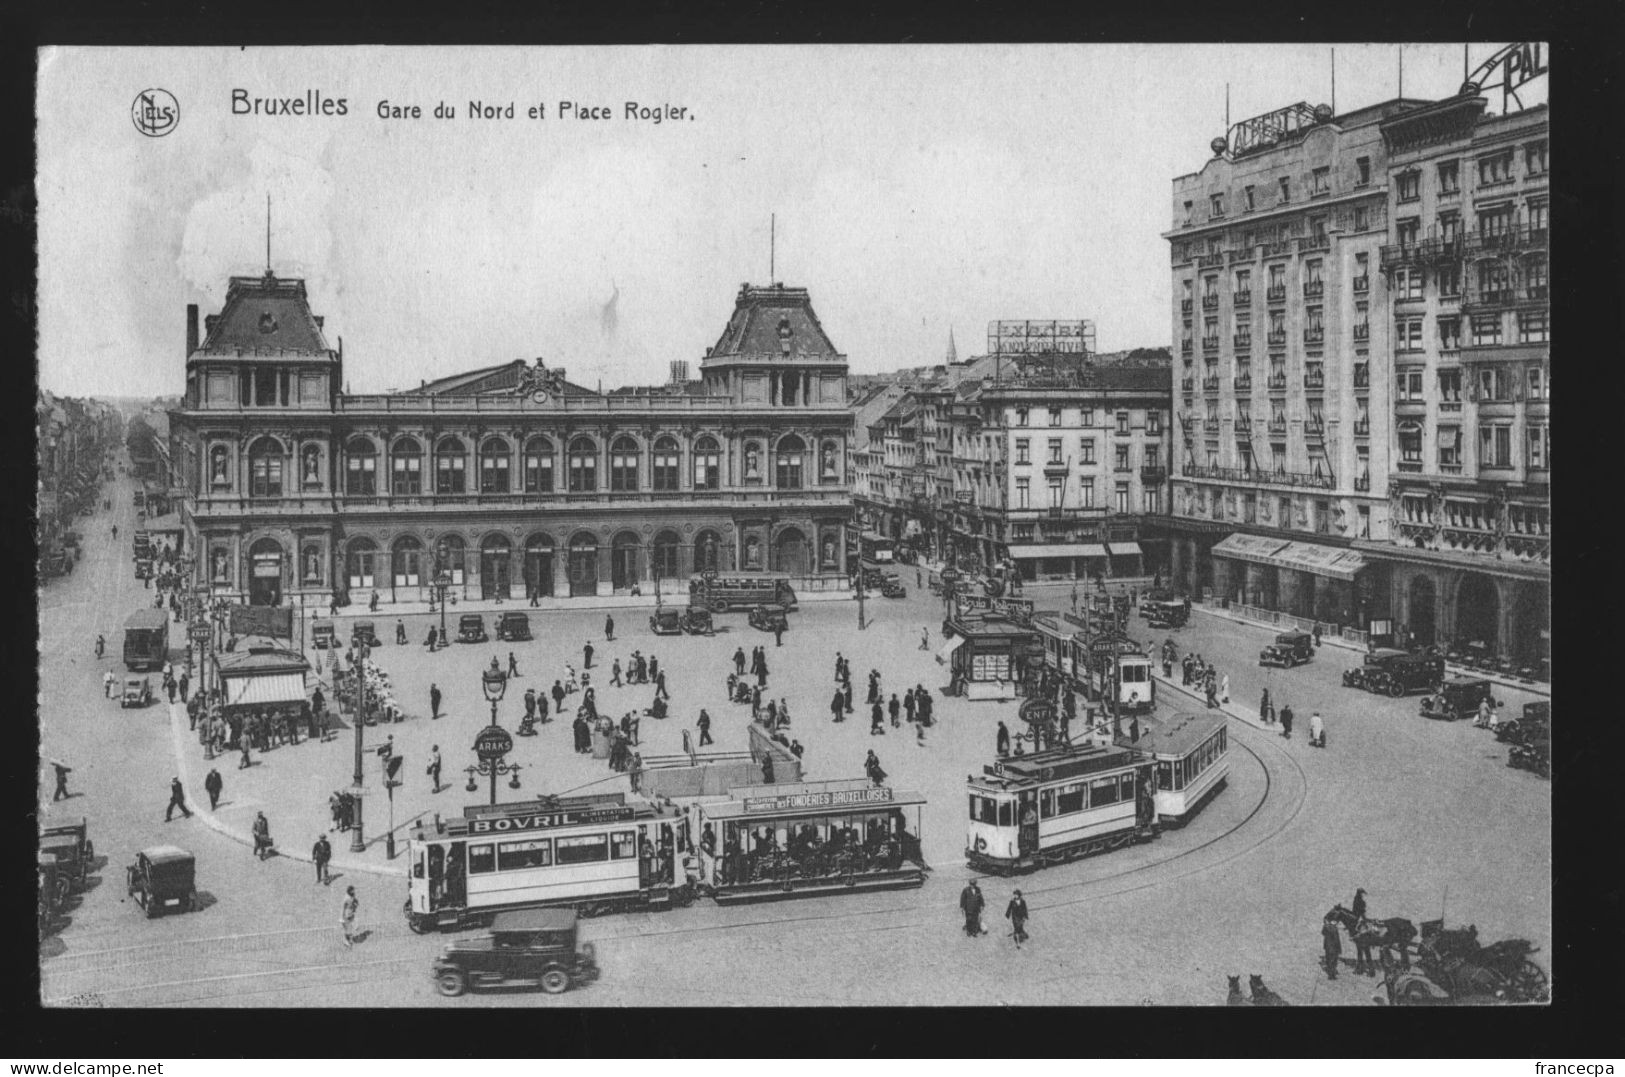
(1263, 996)
(1236, 997)
(1390, 934)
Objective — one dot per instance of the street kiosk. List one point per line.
(990, 657)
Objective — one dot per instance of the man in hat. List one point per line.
(586, 655)
(1331, 945)
(971, 903)
(1016, 912)
(177, 799)
(212, 785)
(320, 854)
(62, 773)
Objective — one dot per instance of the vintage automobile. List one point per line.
(137, 692)
(50, 894)
(1457, 697)
(769, 618)
(1165, 614)
(666, 621)
(1535, 724)
(697, 621)
(892, 587)
(1376, 660)
(143, 568)
(364, 632)
(513, 626)
(523, 948)
(322, 635)
(68, 844)
(471, 629)
(1402, 676)
(162, 878)
(1533, 753)
(1289, 649)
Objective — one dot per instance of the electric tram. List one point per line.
(1191, 752)
(1102, 664)
(598, 854)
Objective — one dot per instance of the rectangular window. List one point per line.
(1535, 279)
(1021, 416)
(1362, 171)
(1086, 493)
(266, 476)
(1407, 283)
(1320, 181)
(1486, 330)
(482, 859)
(1538, 221)
(1122, 458)
(1493, 384)
(1285, 183)
(493, 474)
(1450, 387)
(1190, 218)
(1055, 450)
(1410, 443)
(1023, 493)
(623, 845)
(1537, 383)
(1122, 422)
(1408, 383)
(449, 475)
(1087, 417)
(1408, 231)
(1216, 204)
(516, 855)
(1055, 492)
(1496, 221)
(1449, 277)
(1023, 451)
(1534, 158)
(1408, 335)
(1103, 791)
(585, 849)
(538, 473)
(1450, 177)
(1534, 327)
(1153, 422)
(1070, 799)
(1537, 446)
(1362, 219)
(408, 475)
(707, 469)
(1153, 455)
(1055, 416)
(583, 472)
(1249, 194)
(361, 475)
(1449, 334)
(1122, 497)
(1494, 282)
(623, 471)
(1408, 186)
(1088, 448)
(1496, 168)
(1450, 447)
(665, 469)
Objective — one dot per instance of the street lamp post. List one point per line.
(357, 842)
(493, 742)
(442, 581)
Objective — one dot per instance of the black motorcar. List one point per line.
(471, 629)
(1458, 697)
(163, 878)
(697, 621)
(1289, 649)
(513, 626)
(364, 632)
(1377, 659)
(666, 621)
(1536, 724)
(1402, 676)
(769, 618)
(524, 948)
(892, 587)
(69, 845)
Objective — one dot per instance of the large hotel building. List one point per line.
(509, 478)
(1360, 305)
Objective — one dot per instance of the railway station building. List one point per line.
(506, 480)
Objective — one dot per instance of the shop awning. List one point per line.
(267, 688)
(950, 647)
(1333, 561)
(1124, 549)
(1069, 549)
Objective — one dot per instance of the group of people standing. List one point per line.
(971, 904)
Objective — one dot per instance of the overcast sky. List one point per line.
(917, 189)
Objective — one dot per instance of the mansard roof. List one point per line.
(774, 322)
(265, 315)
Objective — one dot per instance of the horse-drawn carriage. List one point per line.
(1453, 959)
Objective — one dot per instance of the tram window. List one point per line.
(513, 855)
(1069, 799)
(1165, 776)
(982, 810)
(587, 849)
(1103, 791)
(1125, 787)
(1179, 774)
(1006, 815)
(482, 859)
(1046, 803)
(623, 845)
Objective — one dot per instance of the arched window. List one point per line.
(265, 468)
(583, 466)
(406, 467)
(408, 561)
(360, 467)
(539, 466)
(787, 463)
(494, 466)
(310, 466)
(707, 465)
(623, 465)
(361, 562)
(453, 558)
(450, 460)
(220, 466)
(666, 546)
(666, 464)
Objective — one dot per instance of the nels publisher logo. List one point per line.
(155, 112)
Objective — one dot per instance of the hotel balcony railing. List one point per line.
(1277, 381)
(1313, 288)
(1210, 302)
(1242, 254)
(1362, 428)
(1210, 344)
(1242, 340)
(1242, 383)
(1276, 338)
(1280, 246)
(1257, 476)
(1186, 347)
(1276, 426)
(1188, 385)
(1362, 483)
(1516, 237)
(1210, 385)
(1275, 293)
(1185, 306)
(1362, 283)
(1320, 242)
(1243, 298)
(1210, 424)
(1212, 258)
(1362, 330)
(1398, 254)
(1314, 334)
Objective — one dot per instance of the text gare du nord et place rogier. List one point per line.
(315, 103)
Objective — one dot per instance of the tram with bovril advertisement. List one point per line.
(596, 854)
(1191, 752)
(1102, 664)
(1032, 811)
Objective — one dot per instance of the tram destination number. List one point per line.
(563, 110)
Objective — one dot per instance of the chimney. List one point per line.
(679, 372)
(191, 329)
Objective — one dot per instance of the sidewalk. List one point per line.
(359, 610)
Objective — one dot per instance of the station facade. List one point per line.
(509, 480)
